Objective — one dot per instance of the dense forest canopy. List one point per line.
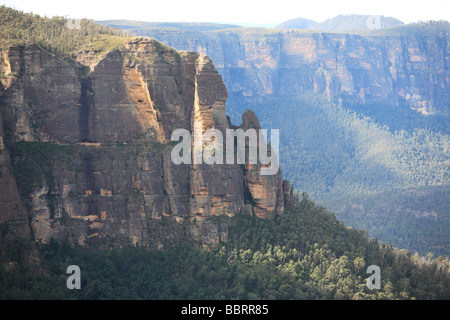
(304, 253)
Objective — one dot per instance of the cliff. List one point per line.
(350, 107)
(86, 148)
(396, 69)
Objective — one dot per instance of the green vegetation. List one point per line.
(401, 118)
(34, 164)
(130, 25)
(330, 151)
(415, 219)
(53, 35)
(304, 253)
(418, 29)
(342, 154)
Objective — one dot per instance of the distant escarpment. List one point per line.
(363, 115)
(381, 66)
(86, 148)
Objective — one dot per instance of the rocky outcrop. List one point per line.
(412, 71)
(12, 210)
(91, 148)
(264, 190)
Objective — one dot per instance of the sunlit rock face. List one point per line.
(86, 150)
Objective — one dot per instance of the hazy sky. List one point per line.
(234, 11)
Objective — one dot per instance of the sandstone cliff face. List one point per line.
(264, 190)
(91, 152)
(11, 208)
(410, 71)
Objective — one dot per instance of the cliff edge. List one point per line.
(86, 147)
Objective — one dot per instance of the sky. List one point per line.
(242, 12)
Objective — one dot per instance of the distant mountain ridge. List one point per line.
(297, 23)
(128, 25)
(340, 23)
(343, 23)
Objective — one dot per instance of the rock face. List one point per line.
(11, 207)
(263, 190)
(395, 70)
(86, 152)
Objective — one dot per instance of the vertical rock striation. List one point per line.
(411, 71)
(91, 150)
